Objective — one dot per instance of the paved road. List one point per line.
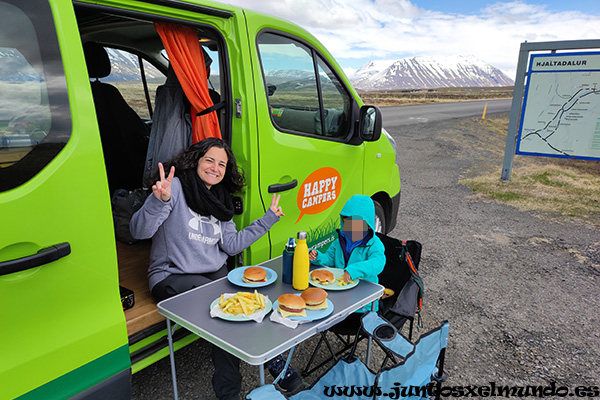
(427, 113)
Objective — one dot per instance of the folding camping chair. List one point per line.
(400, 274)
(412, 369)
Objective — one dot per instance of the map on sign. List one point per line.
(561, 110)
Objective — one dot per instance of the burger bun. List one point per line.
(290, 305)
(315, 298)
(254, 275)
(322, 276)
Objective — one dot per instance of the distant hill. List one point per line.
(14, 67)
(125, 67)
(428, 73)
(407, 73)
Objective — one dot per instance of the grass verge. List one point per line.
(556, 188)
(441, 95)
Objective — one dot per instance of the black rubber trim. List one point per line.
(158, 345)
(149, 331)
(394, 212)
(192, 7)
(117, 387)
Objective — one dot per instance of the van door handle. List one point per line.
(44, 256)
(282, 187)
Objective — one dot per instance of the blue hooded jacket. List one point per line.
(367, 259)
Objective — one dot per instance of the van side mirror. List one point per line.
(369, 123)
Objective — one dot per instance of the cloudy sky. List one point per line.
(358, 31)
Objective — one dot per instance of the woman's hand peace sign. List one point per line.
(275, 206)
(162, 188)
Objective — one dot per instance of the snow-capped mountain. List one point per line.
(15, 68)
(287, 74)
(428, 73)
(125, 67)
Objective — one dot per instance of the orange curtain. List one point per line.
(185, 55)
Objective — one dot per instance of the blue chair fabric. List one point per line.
(420, 363)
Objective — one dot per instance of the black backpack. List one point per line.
(124, 204)
(402, 265)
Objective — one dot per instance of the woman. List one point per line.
(189, 218)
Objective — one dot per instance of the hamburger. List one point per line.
(315, 298)
(254, 275)
(322, 276)
(290, 305)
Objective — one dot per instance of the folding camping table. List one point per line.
(255, 343)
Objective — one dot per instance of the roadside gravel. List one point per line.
(521, 292)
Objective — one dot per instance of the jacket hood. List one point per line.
(361, 206)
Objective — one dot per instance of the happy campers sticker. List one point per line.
(319, 191)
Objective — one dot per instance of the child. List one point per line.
(357, 250)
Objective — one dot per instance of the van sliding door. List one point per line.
(62, 318)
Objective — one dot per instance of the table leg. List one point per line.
(370, 339)
(261, 374)
(172, 357)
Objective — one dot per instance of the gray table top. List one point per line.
(256, 343)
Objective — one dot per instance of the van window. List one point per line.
(214, 71)
(126, 76)
(34, 112)
(304, 95)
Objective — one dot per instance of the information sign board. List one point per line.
(561, 108)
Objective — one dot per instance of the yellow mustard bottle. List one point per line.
(301, 263)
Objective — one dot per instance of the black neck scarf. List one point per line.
(216, 201)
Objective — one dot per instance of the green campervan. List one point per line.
(86, 91)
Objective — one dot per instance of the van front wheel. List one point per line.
(380, 225)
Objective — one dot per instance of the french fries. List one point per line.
(342, 282)
(242, 303)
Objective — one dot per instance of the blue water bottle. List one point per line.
(288, 261)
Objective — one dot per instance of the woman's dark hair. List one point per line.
(234, 177)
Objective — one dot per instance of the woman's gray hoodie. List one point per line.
(184, 242)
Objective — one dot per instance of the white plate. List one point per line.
(235, 276)
(311, 315)
(240, 317)
(337, 273)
